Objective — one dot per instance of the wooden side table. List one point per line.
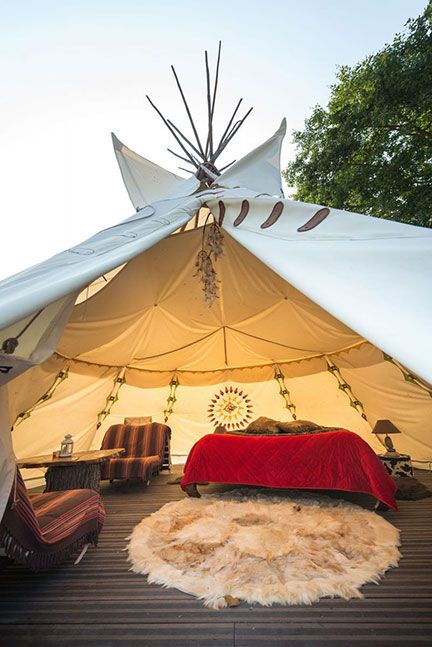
(81, 471)
(397, 464)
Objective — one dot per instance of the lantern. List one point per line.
(66, 447)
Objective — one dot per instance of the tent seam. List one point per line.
(219, 370)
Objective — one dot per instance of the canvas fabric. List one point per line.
(341, 308)
(150, 318)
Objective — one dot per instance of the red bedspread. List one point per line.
(335, 460)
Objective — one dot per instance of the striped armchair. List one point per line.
(144, 455)
(42, 530)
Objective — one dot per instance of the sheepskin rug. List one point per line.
(253, 546)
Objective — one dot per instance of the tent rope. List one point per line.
(10, 345)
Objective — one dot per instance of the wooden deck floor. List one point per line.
(100, 602)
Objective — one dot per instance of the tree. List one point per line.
(370, 150)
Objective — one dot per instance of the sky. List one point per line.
(73, 71)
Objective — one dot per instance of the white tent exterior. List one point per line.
(322, 314)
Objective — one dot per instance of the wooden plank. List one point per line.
(316, 633)
(100, 602)
(105, 635)
(89, 456)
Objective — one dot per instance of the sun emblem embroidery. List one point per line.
(230, 407)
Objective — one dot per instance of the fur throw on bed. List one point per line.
(267, 427)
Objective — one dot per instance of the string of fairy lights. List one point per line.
(346, 388)
(61, 376)
(284, 392)
(112, 397)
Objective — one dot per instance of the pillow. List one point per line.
(263, 425)
(299, 427)
(143, 420)
(220, 429)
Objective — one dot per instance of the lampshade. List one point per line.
(385, 427)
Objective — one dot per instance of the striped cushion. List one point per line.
(19, 504)
(138, 440)
(60, 514)
(131, 467)
(44, 529)
(144, 455)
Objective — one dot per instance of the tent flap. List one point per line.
(145, 181)
(371, 274)
(78, 266)
(259, 170)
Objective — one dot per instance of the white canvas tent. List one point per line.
(330, 323)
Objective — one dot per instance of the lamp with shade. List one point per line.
(386, 427)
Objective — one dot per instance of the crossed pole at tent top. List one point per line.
(203, 158)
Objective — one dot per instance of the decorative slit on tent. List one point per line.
(62, 375)
(169, 409)
(112, 397)
(408, 377)
(316, 220)
(274, 216)
(345, 387)
(222, 210)
(283, 391)
(271, 219)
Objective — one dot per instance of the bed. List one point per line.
(336, 460)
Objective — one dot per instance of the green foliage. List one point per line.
(370, 150)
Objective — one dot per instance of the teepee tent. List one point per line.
(320, 314)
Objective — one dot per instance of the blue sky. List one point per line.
(72, 71)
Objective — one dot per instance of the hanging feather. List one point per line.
(215, 241)
(204, 264)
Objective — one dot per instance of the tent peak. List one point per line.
(202, 157)
(259, 170)
(116, 142)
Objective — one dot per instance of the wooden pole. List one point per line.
(171, 131)
(188, 111)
